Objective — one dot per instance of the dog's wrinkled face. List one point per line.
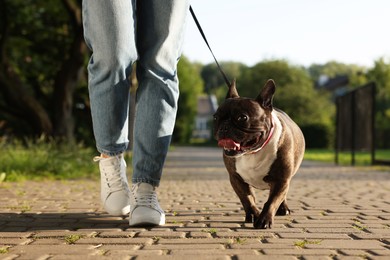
(242, 125)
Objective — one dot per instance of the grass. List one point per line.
(303, 243)
(211, 231)
(72, 239)
(238, 240)
(45, 159)
(4, 249)
(358, 225)
(25, 207)
(361, 158)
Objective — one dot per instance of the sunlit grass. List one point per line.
(361, 158)
(43, 159)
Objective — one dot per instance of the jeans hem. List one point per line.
(154, 183)
(110, 153)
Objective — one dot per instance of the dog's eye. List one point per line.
(215, 118)
(242, 118)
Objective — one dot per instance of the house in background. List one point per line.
(338, 85)
(207, 106)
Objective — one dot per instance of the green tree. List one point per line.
(191, 86)
(42, 57)
(213, 80)
(296, 95)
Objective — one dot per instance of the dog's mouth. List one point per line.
(233, 148)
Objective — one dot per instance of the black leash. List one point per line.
(208, 45)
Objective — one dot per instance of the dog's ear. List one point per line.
(266, 95)
(232, 92)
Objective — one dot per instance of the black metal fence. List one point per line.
(355, 123)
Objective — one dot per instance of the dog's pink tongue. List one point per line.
(228, 144)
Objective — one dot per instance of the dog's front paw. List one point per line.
(263, 221)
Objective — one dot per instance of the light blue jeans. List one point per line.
(120, 32)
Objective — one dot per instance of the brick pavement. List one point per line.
(338, 213)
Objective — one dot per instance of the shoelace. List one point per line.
(113, 178)
(146, 199)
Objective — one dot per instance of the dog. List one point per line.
(262, 148)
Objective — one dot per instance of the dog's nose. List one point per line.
(224, 128)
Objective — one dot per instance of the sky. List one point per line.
(303, 32)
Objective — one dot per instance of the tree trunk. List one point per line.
(68, 76)
(23, 105)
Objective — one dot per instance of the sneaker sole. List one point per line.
(146, 222)
(123, 212)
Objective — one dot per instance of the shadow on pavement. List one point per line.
(21, 222)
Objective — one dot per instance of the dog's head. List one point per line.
(242, 125)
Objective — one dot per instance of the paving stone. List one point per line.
(13, 241)
(88, 257)
(380, 252)
(184, 247)
(180, 257)
(337, 213)
(201, 252)
(207, 240)
(18, 235)
(51, 250)
(347, 244)
(355, 252)
(124, 234)
(49, 241)
(199, 234)
(324, 235)
(299, 252)
(160, 234)
(114, 241)
(265, 257)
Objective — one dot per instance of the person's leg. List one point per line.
(109, 33)
(160, 33)
(159, 38)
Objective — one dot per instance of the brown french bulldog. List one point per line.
(263, 149)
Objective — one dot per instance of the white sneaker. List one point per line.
(115, 193)
(145, 209)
